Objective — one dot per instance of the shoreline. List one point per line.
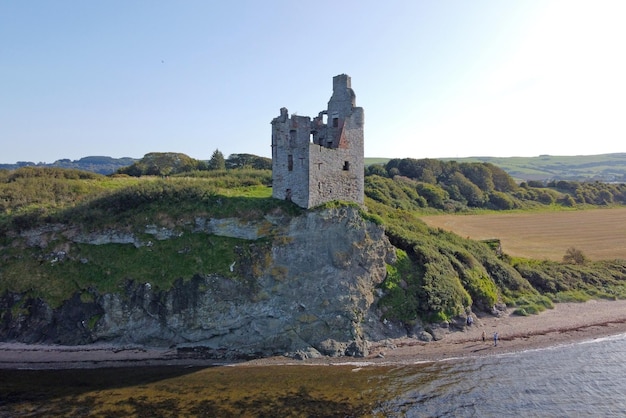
(567, 323)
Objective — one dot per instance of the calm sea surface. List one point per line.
(580, 380)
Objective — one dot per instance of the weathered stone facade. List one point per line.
(319, 160)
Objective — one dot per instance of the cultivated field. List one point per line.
(599, 233)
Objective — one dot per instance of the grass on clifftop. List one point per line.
(121, 203)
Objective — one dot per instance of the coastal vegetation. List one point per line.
(457, 187)
(603, 167)
(438, 274)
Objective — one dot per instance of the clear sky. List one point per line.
(450, 78)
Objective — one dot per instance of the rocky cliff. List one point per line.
(304, 285)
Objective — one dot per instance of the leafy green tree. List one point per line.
(472, 193)
(566, 186)
(502, 181)
(425, 170)
(501, 201)
(392, 164)
(376, 170)
(605, 197)
(479, 174)
(428, 176)
(162, 164)
(435, 196)
(248, 161)
(410, 168)
(568, 201)
(217, 161)
(546, 197)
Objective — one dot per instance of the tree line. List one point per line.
(451, 186)
(169, 163)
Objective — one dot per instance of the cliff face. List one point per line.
(309, 288)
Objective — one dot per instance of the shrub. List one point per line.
(574, 256)
(571, 296)
(531, 304)
(501, 201)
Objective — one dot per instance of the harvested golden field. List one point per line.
(599, 233)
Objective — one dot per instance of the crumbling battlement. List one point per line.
(319, 160)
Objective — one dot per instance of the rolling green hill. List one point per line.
(95, 164)
(603, 167)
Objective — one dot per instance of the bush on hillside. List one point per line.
(501, 201)
(574, 256)
(163, 164)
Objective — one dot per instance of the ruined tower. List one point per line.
(319, 160)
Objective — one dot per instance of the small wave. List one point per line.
(616, 337)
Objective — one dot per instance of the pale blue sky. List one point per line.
(436, 78)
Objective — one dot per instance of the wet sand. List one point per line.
(566, 323)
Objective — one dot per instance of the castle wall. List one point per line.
(290, 159)
(338, 173)
(315, 162)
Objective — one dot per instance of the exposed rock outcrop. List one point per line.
(313, 292)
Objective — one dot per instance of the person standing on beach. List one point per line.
(495, 339)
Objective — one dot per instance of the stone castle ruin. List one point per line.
(316, 161)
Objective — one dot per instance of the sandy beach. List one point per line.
(566, 323)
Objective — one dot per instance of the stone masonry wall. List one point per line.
(290, 158)
(337, 174)
(317, 161)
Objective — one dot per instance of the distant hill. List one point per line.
(154, 163)
(96, 164)
(602, 167)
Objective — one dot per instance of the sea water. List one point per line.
(584, 379)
